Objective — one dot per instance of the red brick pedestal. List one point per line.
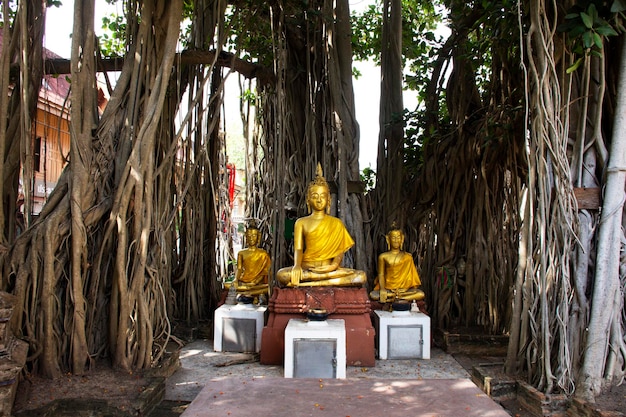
(350, 304)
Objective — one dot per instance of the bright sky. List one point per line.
(366, 88)
(59, 22)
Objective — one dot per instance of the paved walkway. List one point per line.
(218, 384)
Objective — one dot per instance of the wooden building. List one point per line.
(50, 136)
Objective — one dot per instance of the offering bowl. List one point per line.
(317, 314)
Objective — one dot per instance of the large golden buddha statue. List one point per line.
(320, 241)
(253, 265)
(397, 277)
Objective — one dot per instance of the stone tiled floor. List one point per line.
(201, 364)
(234, 384)
(281, 397)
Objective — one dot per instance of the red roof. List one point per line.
(52, 85)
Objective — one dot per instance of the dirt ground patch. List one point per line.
(114, 387)
(614, 400)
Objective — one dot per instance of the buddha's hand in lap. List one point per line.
(296, 276)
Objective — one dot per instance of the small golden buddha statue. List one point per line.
(320, 241)
(253, 265)
(397, 275)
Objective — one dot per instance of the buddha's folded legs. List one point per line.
(249, 289)
(261, 289)
(339, 277)
(399, 294)
(355, 279)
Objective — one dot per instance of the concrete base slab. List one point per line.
(315, 349)
(360, 349)
(402, 334)
(230, 324)
(278, 397)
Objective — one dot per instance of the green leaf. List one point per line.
(587, 20)
(606, 30)
(588, 39)
(575, 66)
(618, 6)
(593, 12)
(597, 39)
(577, 31)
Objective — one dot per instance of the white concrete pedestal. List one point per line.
(402, 334)
(238, 328)
(315, 349)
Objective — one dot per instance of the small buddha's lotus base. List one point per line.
(401, 306)
(245, 299)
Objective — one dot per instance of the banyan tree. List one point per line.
(521, 119)
(512, 192)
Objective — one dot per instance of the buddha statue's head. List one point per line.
(318, 189)
(253, 234)
(394, 237)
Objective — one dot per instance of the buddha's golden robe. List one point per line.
(255, 267)
(328, 240)
(401, 273)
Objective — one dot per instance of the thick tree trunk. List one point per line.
(133, 338)
(391, 136)
(339, 52)
(20, 107)
(84, 120)
(5, 61)
(309, 118)
(610, 237)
